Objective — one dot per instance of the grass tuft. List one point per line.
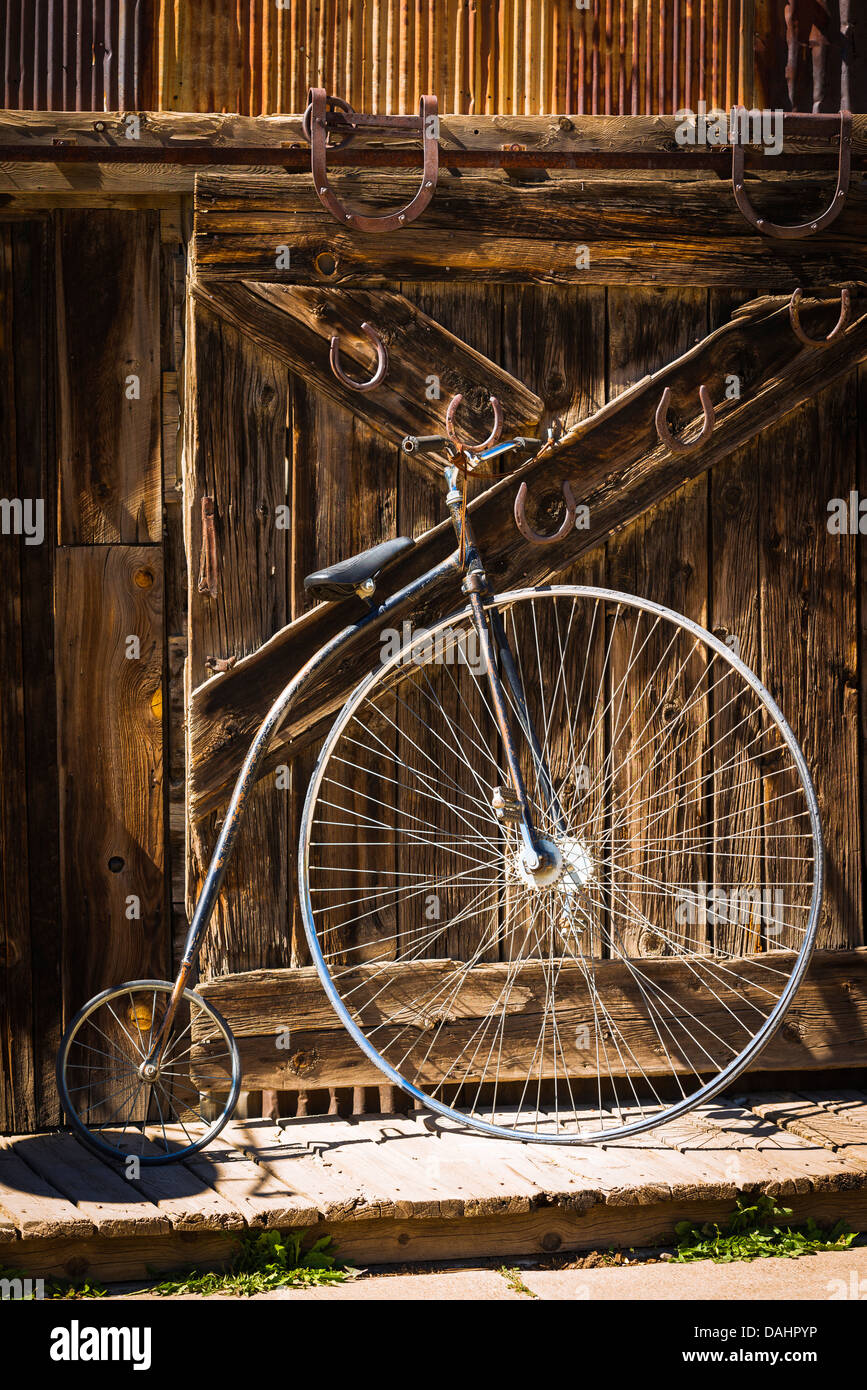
(515, 1282)
(269, 1260)
(54, 1287)
(757, 1231)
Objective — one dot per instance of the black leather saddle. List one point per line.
(343, 579)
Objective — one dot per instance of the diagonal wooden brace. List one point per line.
(615, 464)
(296, 324)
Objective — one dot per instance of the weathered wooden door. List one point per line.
(492, 292)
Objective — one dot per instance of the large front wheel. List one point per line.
(656, 952)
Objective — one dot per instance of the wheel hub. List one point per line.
(565, 858)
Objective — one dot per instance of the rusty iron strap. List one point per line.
(208, 578)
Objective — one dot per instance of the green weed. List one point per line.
(269, 1260)
(757, 1231)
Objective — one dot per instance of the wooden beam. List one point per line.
(295, 324)
(264, 1004)
(211, 138)
(677, 229)
(616, 466)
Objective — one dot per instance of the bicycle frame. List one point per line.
(466, 560)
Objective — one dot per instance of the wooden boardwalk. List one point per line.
(395, 1188)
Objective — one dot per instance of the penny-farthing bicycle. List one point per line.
(560, 869)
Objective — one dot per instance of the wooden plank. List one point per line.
(625, 1175)
(336, 1195)
(35, 1206)
(235, 408)
(754, 1159)
(428, 1179)
(793, 1162)
(733, 615)
(296, 323)
(430, 920)
(262, 1199)
(99, 1193)
(666, 229)
(31, 190)
(33, 353)
(620, 469)
(186, 1200)
(109, 710)
(16, 1020)
(836, 1120)
(260, 1005)
(336, 456)
(540, 1232)
(119, 1258)
(554, 1230)
(109, 377)
(663, 556)
(806, 463)
(555, 337)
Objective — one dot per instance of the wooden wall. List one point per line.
(91, 740)
(744, 550)
(85, 623)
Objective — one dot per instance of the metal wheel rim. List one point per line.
(762, 1037)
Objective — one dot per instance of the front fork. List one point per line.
(490, 629)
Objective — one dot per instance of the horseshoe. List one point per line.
(381, 361)
(315, 127)
(469, 447)
(801, 229)
(534, 536)
(839, 326)
(684, 446)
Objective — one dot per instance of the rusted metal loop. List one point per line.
(381, 361)
(466, 447)
(801, 229)
(428, 126)
(836, 331)
(534, 536)
(684, 446)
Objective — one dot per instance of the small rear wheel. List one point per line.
(162, 1113)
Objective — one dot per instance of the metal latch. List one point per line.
(506, 806)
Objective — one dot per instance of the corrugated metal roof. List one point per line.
(507, 56)
(75, 55)
(515, 57)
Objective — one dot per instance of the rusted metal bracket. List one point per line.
(220, 664)
(535, 537)
(801, 229)
(318, 124)
(684, 446)
(839, 326)
(208, 578)
(467, 447)
(381, 361)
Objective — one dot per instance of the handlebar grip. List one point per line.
(413, 443)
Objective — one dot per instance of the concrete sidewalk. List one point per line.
(827, 1276)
